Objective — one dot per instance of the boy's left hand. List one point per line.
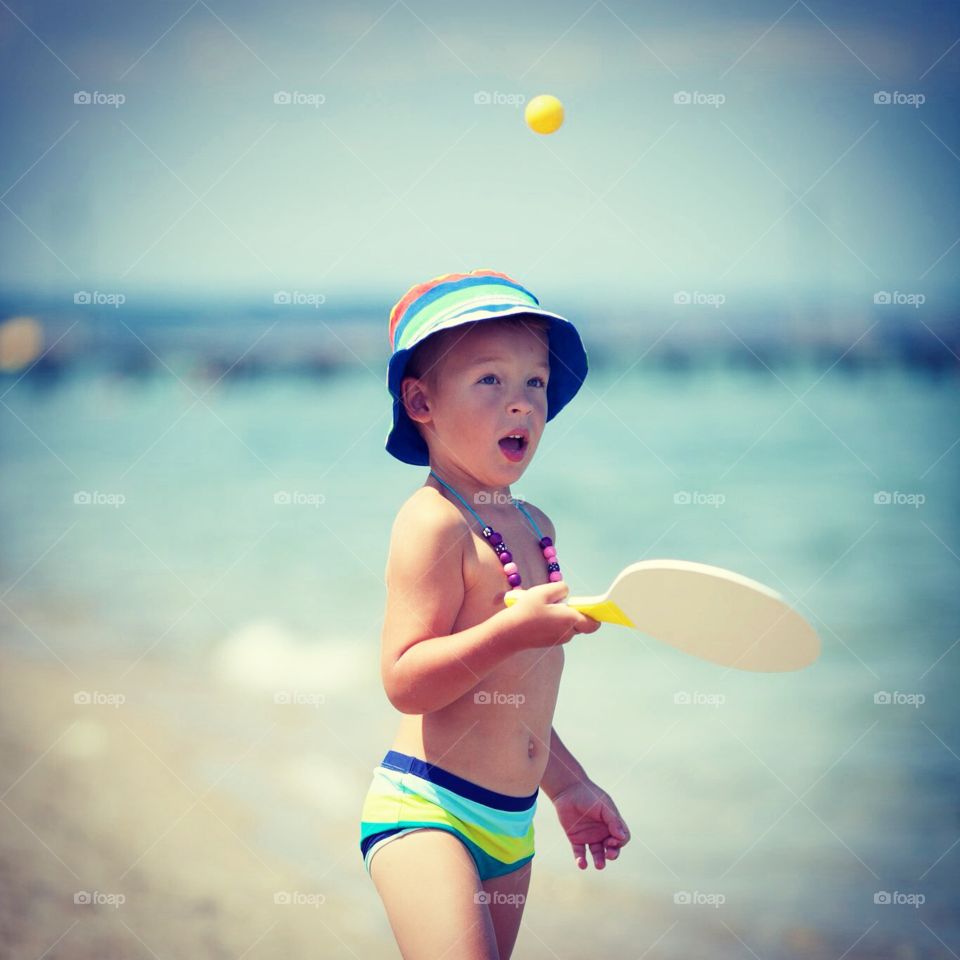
(591, 819)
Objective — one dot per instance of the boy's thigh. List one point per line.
(434, 900)
(506, 898)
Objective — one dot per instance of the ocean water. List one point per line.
(243, 532)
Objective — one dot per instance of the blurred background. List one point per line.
(206, 212)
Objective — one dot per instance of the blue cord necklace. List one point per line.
(495, 540)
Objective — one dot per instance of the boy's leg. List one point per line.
(431, 891)
(507, 898)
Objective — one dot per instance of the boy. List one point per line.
(477, 369)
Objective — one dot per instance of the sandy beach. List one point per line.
(118, 841)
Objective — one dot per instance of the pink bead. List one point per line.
(510, 567)
(549, 552)
(555, 576)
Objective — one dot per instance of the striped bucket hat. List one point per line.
(457, 298)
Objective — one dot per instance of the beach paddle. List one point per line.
(705, 611)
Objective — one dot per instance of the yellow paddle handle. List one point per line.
(604, 610)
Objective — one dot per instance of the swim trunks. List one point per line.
(409, 794)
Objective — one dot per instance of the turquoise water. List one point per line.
(797, 797)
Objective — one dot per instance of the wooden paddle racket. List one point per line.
(705, 611)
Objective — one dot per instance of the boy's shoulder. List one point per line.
(427, 510)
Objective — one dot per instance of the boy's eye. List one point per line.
(492, 376)
(489, 376)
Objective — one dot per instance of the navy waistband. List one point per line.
(450, 781)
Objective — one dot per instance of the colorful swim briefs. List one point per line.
(409, 794)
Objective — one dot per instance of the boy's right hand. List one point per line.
(543, 621)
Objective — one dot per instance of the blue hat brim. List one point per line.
(568, 370)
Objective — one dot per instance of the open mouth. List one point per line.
(514, 445)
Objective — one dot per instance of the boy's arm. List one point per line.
(424, 666)
(563, 770)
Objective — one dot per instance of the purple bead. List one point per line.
(514, 579)
(495, 538)
(546, 542)
(487, 531)
(553, 566)
(506, 556)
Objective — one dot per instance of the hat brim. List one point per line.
(568, 369)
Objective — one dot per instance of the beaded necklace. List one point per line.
(510, 568)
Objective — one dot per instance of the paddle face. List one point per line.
(708, 612)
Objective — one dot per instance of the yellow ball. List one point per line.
(544, 114)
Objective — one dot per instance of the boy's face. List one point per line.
(487, 381)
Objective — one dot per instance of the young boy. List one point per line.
(477, 369)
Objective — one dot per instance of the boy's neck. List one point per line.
(490, 500)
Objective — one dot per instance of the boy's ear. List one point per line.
(413, 392)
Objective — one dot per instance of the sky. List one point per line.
(403, 153)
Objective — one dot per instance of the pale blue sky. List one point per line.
(199, 182)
